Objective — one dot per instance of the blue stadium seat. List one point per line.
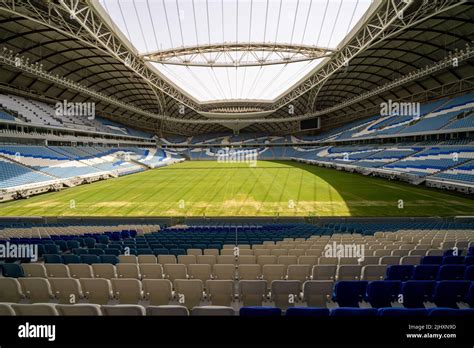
(260, 312)
(125, 234)
(450, 252)
(469, 273)
(80, 241)
(41, 250)
(131, 251)
(51, 249)
(61, 244)
(382, 293)
(307, 312)
(71, 258)
(425, 272)
(416, 292)
(399, 272)
(96, 251)
(80, 251)
(431, 260)
(470, 296)
(354, 312)
(214, 246)
(103, 239)
(451, 312)
(90, 259)
(349, 293)
(109, 259)
(470, 251)
(469, 260)
(112, 251)
(144, 251)
(449, 292)
(403, 312)
(161, 251)
(453, 260)
(100, 246)
(89, 242)
(73, 244)
(451, 272)
(52, 258)
(116, 246)
(12, 270)
(177, 251)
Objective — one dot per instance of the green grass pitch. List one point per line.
(210, 188)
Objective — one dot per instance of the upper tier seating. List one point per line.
(36, 112)
(433, 160)
(25, 164)
(16, 175)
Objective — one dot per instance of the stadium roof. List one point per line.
(169, 25)
(398, 50)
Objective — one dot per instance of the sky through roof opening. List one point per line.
(156, 25)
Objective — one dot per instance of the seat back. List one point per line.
(151, 271)
(167, 310)
(221, 292)
(324, 272)
(285, 293)
(83, 309)
(252, 292)
(147, 259)
(97, 290)
(103, 270)
(57, 270)
(273, 272)
(41, 309)
(175, 271)
(189, 292)
(349, 293)
(349, 272)
(224, 272)
(124, 310)
(127, 290)
(10, 290)
(213, 311)
(34, 270)
(37, 290)
(157, 291)
(206, 259)
(250, 272)
(128, 270)
(80, 270)
(66, 290)
(166, 259)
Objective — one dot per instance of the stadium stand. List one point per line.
(381, 99)
(117, 287)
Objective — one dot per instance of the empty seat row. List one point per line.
(284, 293)
(271, 259)
(430, 272)
(47, 309)
(448, 260)
(268, 272)
(89, 309)
(410, 294)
